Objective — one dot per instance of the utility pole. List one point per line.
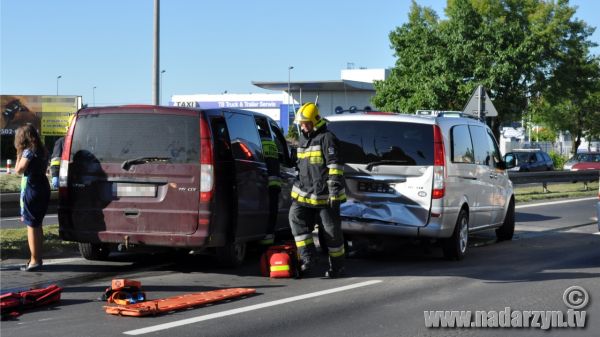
(156, 65)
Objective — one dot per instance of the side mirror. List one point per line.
(509, 162)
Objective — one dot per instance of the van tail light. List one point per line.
(63, 173)
(439, 164)
(206, 162)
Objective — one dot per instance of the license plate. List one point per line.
(375, 187)
(134, 190)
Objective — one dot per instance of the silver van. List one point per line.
(439, 177)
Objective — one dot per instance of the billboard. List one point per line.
(49, 114)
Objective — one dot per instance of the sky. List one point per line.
(207, 47)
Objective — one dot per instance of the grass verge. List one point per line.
(555, 191)
(10, 183)
(13, 243)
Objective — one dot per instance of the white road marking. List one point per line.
(192, 320)
(554, 202)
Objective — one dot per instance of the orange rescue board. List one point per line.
(153, 307)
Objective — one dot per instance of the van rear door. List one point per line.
(389, 170)
(135, 170)
(251, 178)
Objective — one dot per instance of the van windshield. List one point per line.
(365, 142)
(116, 138)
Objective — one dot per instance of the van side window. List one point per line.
(462, 148)
(483, 153)
(243, 135)
(494, 150)
(221, 139)
(284, 156)
(263, 127)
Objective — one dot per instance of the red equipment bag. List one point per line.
(280, 261)
(13, 304)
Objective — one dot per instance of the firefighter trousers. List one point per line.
(302, 222)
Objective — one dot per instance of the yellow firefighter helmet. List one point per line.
(307, 113)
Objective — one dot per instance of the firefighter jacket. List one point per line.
(56, 156)
(320, 170)
(271, 155)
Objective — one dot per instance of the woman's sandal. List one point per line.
(32, 267)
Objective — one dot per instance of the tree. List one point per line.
(511, 47)
(572, 102)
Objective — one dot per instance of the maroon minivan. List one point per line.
(167, 176)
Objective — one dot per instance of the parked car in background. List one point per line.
(427, 177)
(584, 156)
(586, 161)
(168, 176)
(528, 160)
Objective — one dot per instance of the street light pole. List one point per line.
(94, 96)
(289, 86)
(156, 65)
(160, 89)
(57, 78)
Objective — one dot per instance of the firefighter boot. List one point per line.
(336, 267)
(308, 258)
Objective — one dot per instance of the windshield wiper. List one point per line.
(385, 162)
(142, 160)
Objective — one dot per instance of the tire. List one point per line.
(94, 251)
(231, 255)
(506, 231)
(455, 247)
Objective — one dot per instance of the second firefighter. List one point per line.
(318, 191)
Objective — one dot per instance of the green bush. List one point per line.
(559, 161)
(292, 133)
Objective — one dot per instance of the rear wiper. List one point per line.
(142, 160)
(386, 162)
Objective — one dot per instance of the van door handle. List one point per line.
(131, 213)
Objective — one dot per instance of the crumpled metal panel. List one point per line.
(386, 211)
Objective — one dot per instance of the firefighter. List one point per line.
(271, 154)
(318, 191)
(56, 156)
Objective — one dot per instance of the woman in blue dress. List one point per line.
(32, 161)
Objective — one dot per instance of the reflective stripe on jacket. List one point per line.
(320, 170)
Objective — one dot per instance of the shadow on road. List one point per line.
(532, 217)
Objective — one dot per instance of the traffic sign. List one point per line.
(480, 105)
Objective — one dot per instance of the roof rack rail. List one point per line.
(445, 113)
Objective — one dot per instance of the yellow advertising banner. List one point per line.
(55, 123)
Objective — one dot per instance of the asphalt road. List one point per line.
(556, 246)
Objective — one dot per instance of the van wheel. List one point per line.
(231, 255)
(94, 251)
(506, 231)
(455, 247)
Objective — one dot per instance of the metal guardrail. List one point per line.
(553, 176)
(585, 176)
